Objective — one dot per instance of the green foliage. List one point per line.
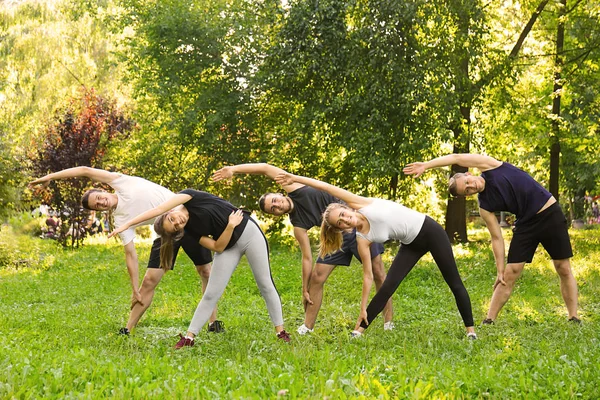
(55, 347)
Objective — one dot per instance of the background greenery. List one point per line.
(60, 311)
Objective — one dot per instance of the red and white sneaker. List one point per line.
(283, 335)
(184, 342)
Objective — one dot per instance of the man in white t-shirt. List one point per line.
(133, 196)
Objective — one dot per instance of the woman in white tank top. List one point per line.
(378, 220)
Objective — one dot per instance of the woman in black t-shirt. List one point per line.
(230, 233)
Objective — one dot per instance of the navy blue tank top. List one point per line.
(507, 188)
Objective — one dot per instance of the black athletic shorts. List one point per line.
(349, 249)
(198, 254)
(548, 228)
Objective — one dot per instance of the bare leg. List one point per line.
(149, 283)
(204, 272)
(319, 275)
(503, 292)
(568, 285)
(379, 276)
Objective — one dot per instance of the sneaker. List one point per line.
(355, 334)
(487, 321)
(283, 335)
(216, 326)
(575, 320)
(388, 326)
(184, 342)
(303, 330)
(124, 331)
(472, 336)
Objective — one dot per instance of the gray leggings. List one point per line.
(253, 244)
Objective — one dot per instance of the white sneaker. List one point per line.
(472, 336)
(388, 326)
(355, 335)
(303, 330)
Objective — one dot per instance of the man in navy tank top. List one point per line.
(504, 187)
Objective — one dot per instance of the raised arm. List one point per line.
(482, 163)
(94, 174)
(353, 200)
(155, 212)
(254, 169)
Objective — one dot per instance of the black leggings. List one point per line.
(432, 238)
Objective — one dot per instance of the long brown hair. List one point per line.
(331, 237)
(166, 242)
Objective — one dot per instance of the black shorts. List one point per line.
(548, 228)
(198, 254)
(349, 249)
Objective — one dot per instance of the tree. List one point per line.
(78, 137)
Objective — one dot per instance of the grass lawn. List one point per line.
(60, 311)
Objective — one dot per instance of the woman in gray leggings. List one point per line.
(227, 231)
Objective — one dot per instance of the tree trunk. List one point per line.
(555, 137)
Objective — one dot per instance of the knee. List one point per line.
(563, 268)
(204, 271)
(317, 278)
(152, 278)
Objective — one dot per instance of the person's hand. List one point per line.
(117, 231)
(223, 173)
(362, 317)
(136, 297)
(235, 218)
(499, 280)
(285, 178)
(43, 181)
(416, 169)
(306, 299)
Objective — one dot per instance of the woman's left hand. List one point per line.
(285, 178)
(362, 317)
(235, 218)
(117, 231)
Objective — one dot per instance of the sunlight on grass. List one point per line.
(524, 311)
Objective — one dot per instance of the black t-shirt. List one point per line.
(209, 216)
(309, 205)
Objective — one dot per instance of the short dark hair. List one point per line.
(452, 187)
(85, 199)
(261, 201)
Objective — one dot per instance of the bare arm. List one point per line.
(353, 200)
(307, 261)
(254, 169)
(497, 242)
(364, 251)
(155, 212)
(482, 163)
(94, 174)
(131, 260)
(235, 218)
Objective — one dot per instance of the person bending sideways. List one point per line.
(377, 221)
(217, 225)
(504, 187)
(305, 206)
(132, 196)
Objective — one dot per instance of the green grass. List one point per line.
(60, 310)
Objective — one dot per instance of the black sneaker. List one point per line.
(487, 321)
(216, 326)
(124, 331)
(575, 320)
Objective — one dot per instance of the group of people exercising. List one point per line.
(351, 226)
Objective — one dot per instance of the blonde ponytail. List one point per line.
(166, 243)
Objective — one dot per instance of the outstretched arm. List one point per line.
(155, 212)
(235, 218)
(94, 174)
(353, 200)
(255, 169)
(482, 163)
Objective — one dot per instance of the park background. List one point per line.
(345, 91)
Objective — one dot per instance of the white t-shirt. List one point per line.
(391, 221)
(136, 195)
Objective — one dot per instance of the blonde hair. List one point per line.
(331, 236)
(166, 242)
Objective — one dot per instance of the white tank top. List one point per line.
(391, 221)
(136, 195)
